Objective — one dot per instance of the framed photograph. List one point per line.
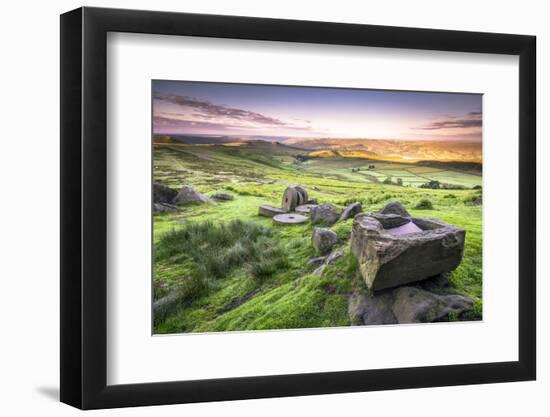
(258, 208)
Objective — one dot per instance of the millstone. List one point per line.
(302, 195)
(305, 208)
(269, 211)
(290, 199)
(289, 219)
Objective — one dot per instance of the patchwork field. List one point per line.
(226, 268)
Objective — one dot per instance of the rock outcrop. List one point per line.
(413, 305)
(405, 305)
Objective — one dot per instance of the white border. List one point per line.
(134, 356)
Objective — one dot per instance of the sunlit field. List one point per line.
(227, 268)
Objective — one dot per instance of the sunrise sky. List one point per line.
(256, 110)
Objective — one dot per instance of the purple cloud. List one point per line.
(207, 110)
(470, 120)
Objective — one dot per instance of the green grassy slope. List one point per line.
(270, 284)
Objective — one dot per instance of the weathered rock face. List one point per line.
(163, 194)
(326, 214)
(188, 195)
(222, 196)
(387, 260)
(323, 240)
(405, 305)
(269, 211)
(413, 305)
(395, 207)
(350, 211)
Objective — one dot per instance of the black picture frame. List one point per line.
(84, 207)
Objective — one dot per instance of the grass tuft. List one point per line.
(212, 252)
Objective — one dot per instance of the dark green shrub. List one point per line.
(424, 204)
(433, 184)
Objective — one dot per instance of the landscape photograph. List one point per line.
(292, 207)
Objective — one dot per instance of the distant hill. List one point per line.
(193, 139)
(373, 149)
(392, 150)
(163, 139)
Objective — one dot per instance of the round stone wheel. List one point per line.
(289, 219)
(304, 208)
(300, 198)
(269, 211)
(301, 190)
(290, 199)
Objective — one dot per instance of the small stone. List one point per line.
(325, 214)
(223, 196)
(323, 240)
(269, 211)
(289, 219)
(334, 256)
(351, 210)
(188, 195)
(163, 208)
(163, 194)
(319, 270)
(317, 261)
(395, 207)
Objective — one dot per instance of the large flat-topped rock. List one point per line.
(392, 252)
